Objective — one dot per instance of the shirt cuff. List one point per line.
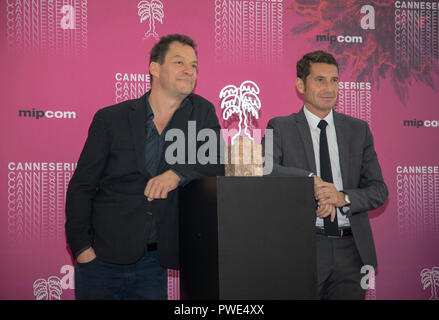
(345, 210)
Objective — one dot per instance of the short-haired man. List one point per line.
(338, 151)
(122, 201)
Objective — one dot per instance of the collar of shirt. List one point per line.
(150, 113)
(313, 120)
(150, 126)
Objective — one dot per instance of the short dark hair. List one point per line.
(303, 66)
(158, 52)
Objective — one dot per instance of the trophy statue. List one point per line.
(243, 156)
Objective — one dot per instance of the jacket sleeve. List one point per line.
(205, 168)
(372, 191)
(272, 151)
(83, 185)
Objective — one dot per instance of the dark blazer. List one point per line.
(293, 155)
(106, 207)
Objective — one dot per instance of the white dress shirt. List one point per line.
(313, 121)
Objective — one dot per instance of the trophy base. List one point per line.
(244, 158)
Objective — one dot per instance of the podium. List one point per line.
(248, 238)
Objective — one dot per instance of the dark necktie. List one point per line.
(331, 228)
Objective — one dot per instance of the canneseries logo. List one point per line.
(36, 200)
(355, 99)
(430, 279)
(416, 32)
(417, 192)
(42, 26)
(52, 287)
(248, 31)
(173, 284)
(130, 85)
(151, 12)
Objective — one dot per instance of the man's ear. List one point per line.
(300, 85)
(154, 69)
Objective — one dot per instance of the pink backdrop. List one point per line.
(68, 58)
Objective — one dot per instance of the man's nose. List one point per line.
(189, 70)
(327, 85)
(330, 86)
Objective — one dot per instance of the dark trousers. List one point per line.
(99, 280)
(338, 269)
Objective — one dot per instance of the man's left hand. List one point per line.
(326, 193)
(159, 186)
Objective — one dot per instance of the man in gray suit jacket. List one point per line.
(338, 152)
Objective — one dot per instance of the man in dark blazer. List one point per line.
(344, 238)
(122, 201)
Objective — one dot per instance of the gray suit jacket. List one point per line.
(293, 155)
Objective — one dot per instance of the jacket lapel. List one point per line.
(305, 135)
(343, 145)
(137, 118)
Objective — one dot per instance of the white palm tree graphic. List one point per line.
(152, 10)
(49, 289)
(243, 101)
(430, 278)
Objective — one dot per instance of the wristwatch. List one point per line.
(345, 209)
